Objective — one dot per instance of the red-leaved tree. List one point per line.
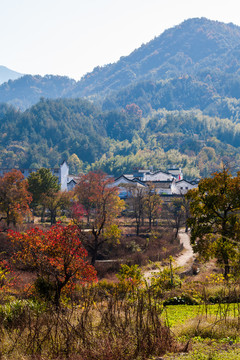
(98, 200)
(56, 255)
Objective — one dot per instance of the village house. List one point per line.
(168, 183)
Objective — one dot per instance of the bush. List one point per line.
(44, 289)
(183, 299)
(130, 275)
(15, 313)
(166, 279)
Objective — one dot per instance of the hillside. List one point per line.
(28, 89)
(7, 74)
(188, 48)
(115, 141)
(206, 51)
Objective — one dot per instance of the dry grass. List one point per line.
(100, 326)
(209, 327)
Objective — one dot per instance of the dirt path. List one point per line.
(187, 253)
(181, 260)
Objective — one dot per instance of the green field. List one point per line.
(213, 330)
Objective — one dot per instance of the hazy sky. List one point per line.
(71, 37)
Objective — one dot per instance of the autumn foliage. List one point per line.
(14, 197)
(56, 255)
(98, 200)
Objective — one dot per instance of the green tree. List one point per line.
(75, 164)
(42, 184)
(214, 220)
(55, 201)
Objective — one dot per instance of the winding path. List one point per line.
(187, 251)
(180, 260)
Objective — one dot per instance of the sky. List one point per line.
(71, 37)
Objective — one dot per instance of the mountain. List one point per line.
(188, 48)
(7, 74)
(206, 51)
(28, 89)
(173, 101)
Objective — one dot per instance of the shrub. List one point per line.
(130, 275)
(183, 299)
(165, 279)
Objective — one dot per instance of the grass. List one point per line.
(213, 330)
(208, 350)
(94, 327)
(179, 314)
(106, 325)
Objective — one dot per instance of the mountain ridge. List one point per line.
(146, 60)
(7, 74)
(194, 46)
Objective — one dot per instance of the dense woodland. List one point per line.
(116, 141)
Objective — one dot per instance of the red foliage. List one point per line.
(78, 212)
(134, 110)
(99, 199)
(57, 255)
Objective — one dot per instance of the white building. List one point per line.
(182, 186)
(170, 182)
(66, 181)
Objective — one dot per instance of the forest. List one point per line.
(116, 141)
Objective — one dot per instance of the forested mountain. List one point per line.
(173, 101)
(48, 132)
(189, 48)
(220, 98)
(28, 89)
(7, 74)
(205, 51)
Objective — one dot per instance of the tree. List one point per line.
(75, 164)
(176, 212)
(136, 201)
(42, 184)
(55, 201)
(101, 204)
(152, 204)
(56, 255)
(134, 111)
(214, 220)
(14, 197)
